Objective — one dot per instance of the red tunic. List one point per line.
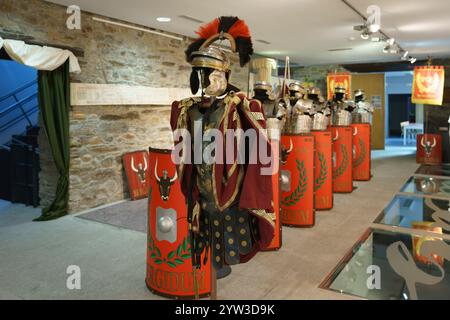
(255, 192)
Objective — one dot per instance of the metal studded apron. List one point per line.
(229, 233)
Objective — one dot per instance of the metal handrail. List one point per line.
(18, 103)
(2, 146)
(18, 119)
(26, 86)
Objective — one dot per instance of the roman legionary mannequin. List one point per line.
(230, 204)
(296, 92)
(363, 110)
(340, 109)
(263, 93)
(302, 114)
(321, 111)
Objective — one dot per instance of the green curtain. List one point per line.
(54, 102)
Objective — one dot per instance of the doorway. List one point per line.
(402, 116)
(401, 110)
(19, 132)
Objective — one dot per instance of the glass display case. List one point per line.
(442, 170)
(414, 212)
(429, 186)
(390, 265)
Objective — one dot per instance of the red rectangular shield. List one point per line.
(323, 178)
(429, 149)
(361, 152)
(297, 180)
(138, 174)
(342, 159)
(277, 239)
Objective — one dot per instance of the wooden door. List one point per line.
(373, 85)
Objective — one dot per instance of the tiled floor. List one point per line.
(35, 256)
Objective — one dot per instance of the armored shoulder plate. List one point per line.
(189, 102)
(304, 106)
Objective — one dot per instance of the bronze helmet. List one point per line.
(262, 85)
(210, 57)
(296, 87)
(340, 90)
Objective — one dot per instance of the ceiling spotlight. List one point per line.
(386, 49)
(390, 41)
(375, 39)
(412, 60)
(365, 31)
(163, 19)
(394, 51)
(405, 55)
(361, 27)
(374, 28)
(365, 35)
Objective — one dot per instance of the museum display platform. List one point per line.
(403, 255)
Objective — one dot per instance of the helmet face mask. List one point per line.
(359, 95)
(339, 93)
(217, 84)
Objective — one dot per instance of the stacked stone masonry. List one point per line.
(100, 135)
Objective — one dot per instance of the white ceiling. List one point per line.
(303, 29)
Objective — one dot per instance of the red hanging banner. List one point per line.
(323, 178)
(297, 180)
(138, 173)
(428, 85)
(361, 152)
(342, 79)
(169, 264)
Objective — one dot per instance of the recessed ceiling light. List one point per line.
(163, 19)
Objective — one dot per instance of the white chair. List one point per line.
(403, 125)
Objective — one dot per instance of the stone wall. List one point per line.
(108, 55)
(104, 134)
(316, 74)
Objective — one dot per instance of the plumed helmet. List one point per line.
(236, 31)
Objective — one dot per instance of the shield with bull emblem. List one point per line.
(138, 173)
(429, 149)
(169, 264)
